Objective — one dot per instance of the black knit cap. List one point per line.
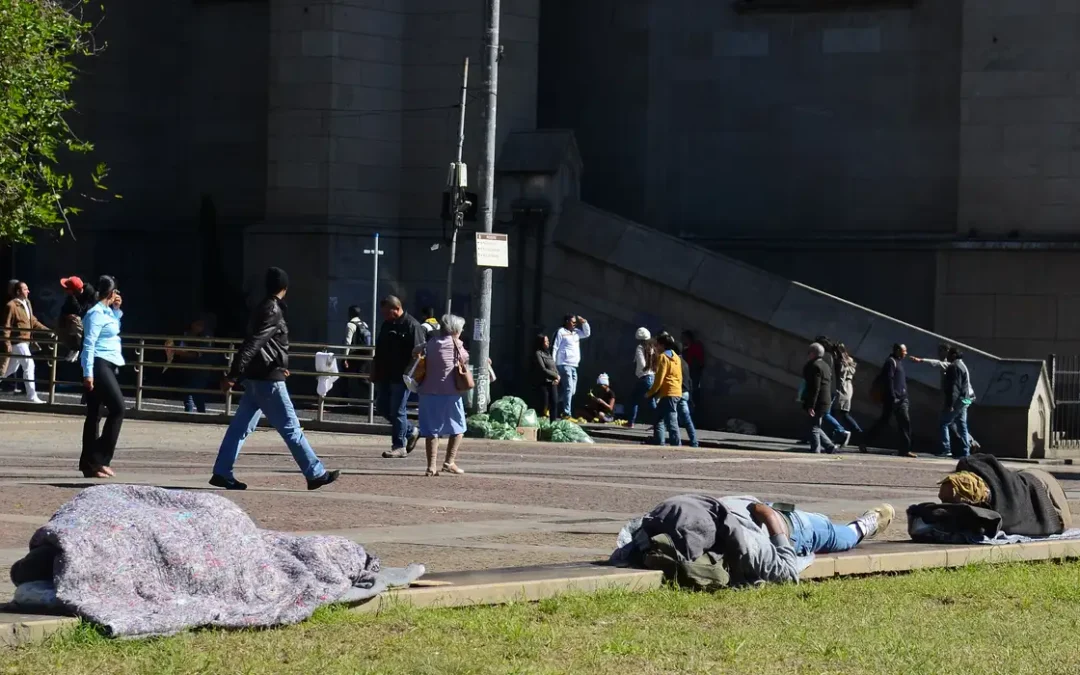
(276, 280)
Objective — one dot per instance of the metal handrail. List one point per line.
(140, 344)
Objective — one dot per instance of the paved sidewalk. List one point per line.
(520, 503)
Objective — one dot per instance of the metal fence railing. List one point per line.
(1065, 417)
(147, 354)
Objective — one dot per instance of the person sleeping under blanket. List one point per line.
(754, 542)
(982, 497)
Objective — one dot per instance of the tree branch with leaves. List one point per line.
(40, 41)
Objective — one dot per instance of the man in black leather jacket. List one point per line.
(400, 336)
(817, 397)
(263, 363)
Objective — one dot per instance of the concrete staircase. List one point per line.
(756, 327)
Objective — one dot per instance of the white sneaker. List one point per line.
(36, 401)
(847, 439)
(876, 520)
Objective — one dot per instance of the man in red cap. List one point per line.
(69, 327)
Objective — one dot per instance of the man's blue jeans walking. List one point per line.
(270, 399)
(644, 384)
(667, 421)
(393, 404)
(567, 388)
(816, 533)
(957, 417)
(685, 420)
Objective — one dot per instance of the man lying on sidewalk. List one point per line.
(752, 541)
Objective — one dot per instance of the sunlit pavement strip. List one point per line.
(520, 503)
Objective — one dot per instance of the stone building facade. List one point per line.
(920, 158)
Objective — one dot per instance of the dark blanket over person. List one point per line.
(1028, 502)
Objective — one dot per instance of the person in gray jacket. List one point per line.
(954, 373)
(760, 542)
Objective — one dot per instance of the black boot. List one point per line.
(325, 479)
(222, 482)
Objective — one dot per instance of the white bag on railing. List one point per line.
(325, 362)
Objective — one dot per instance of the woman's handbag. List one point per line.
(463, 378)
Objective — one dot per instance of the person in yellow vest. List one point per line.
(667, 389)
(429, 323)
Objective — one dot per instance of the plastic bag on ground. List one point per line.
(565, 431)
(478, 426)
(529, 419)
(508, 410)
(503, 432)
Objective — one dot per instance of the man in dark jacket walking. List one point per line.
(817, 397)
(399, 339)
(892, 386)
(958, 396)
(263, 363)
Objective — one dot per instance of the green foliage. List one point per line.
(39, 42)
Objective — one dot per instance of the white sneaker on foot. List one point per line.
(847, 439)
(36, 401)
(875, 521)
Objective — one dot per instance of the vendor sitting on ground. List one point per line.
(754, 541)
(600, 402)
(1030, 501)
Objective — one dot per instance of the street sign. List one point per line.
(492, 250)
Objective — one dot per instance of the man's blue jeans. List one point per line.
(815, 533)
(270, 399)
(567, 388)
(957, 417)
(644, 384)
(667, 421)
(685, 420)
(393, 404)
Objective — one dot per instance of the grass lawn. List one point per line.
(1020, 618)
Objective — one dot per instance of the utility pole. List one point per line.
(487, 204)
(375, 253)
(457, 182)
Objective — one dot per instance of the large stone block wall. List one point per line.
(1024, 303)
(697, 120)
(1019, 118)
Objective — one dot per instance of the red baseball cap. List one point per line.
(72, 283)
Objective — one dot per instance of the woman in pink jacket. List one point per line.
(442, 412)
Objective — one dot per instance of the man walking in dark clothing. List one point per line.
(958, 397)
(399, 339)
(263, 363)
(817, 397)
(891, 385)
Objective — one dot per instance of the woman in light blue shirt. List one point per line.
(101, 358)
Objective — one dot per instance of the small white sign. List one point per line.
(479, 330)
(492, 250)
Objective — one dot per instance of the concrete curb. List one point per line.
(531, 584)
(27, 628)
(503, 586)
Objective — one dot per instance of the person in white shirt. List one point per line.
(567, 351)
(645, 372)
